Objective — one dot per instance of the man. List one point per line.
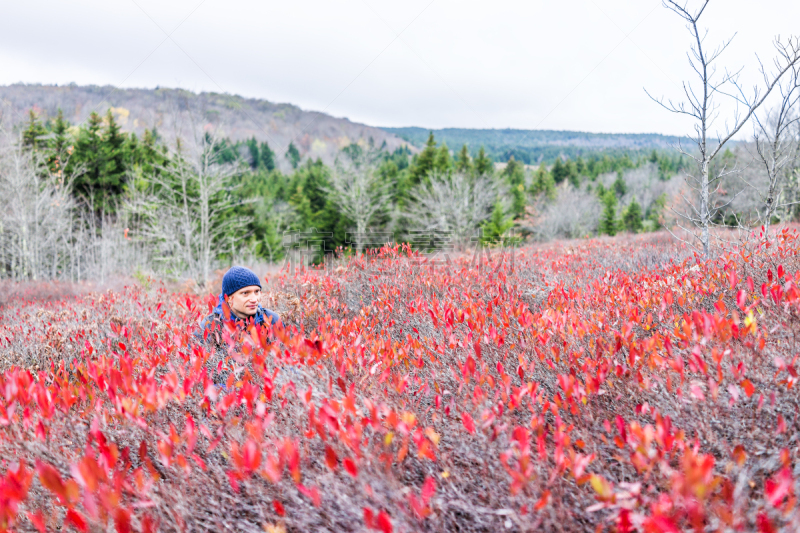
(238, 303)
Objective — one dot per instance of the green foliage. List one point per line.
(619, 186)
(443, 163)
(32, 136)
(483, 164)
(655, 211)
(560, 171)
(543, 183)
(495, 229)
(514, 174)
(632, 217)
(464, 162)
(100, 153)
(423, 163)
(533, 147)
(293, 155)
(608, 221)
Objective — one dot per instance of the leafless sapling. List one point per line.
(703, 107)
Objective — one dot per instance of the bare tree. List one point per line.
(776, 142)
(36, 222)
(454, 205)
(701, 105)
(186, 210)
(359, 192)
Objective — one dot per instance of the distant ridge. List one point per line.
(533, 146)
(315, 134)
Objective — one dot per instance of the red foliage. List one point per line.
(561, 388)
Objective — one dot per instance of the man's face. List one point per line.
(244, 302)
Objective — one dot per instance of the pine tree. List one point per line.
(572, 174)
(464, 162)
(515, 176)
(255, 158)
(543, 183)
(560, 171)
(267, 157)
(423, 162)
(443, 162)
(483, 165)
(87, 155)
(113, 156)
(293, 155)
(31, 137)
(632, 217)
(494, 230)
(58, 144)
(608, 222)
(619, 186)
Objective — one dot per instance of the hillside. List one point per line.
(533, 146)
(315, 134)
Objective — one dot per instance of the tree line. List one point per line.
(183, 208)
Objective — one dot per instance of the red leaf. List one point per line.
(51, 479)
(279, 509)
(122, 520)
(350, 466)
(764, 524)
(543, 501)
(384, 523)
(428, 488)
(330, 458)
(741, 299)
(77, 521)
(778, 487)
(748, 387)
(37, 519)
(310, 493)
(466, 419)
(369, 518)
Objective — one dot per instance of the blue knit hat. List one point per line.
(238, 277)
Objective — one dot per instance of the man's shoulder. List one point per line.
(273, 317)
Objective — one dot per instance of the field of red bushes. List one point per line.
(609, 385)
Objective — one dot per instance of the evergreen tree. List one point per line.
(483, 165)
(572, 174)
(101, 153)
(580, 166)
(619, 186)
(267, 157)
(632, 217)
(443, 162)
(87, 155)
(145, 157)
(113, 156)
(560, 171)
(58, 144)
(543, 183)
(423, 162)
(293, 155)
(608, 222)
(31, 137)
(255, 158)
(514, 174)
(464, 163)
(494, 230)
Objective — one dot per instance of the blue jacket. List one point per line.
(218, 316)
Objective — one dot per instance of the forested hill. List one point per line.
(534, 146)
(314, 134)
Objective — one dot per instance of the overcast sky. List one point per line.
(533, 64)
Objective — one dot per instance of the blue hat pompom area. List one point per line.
(237, 278)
